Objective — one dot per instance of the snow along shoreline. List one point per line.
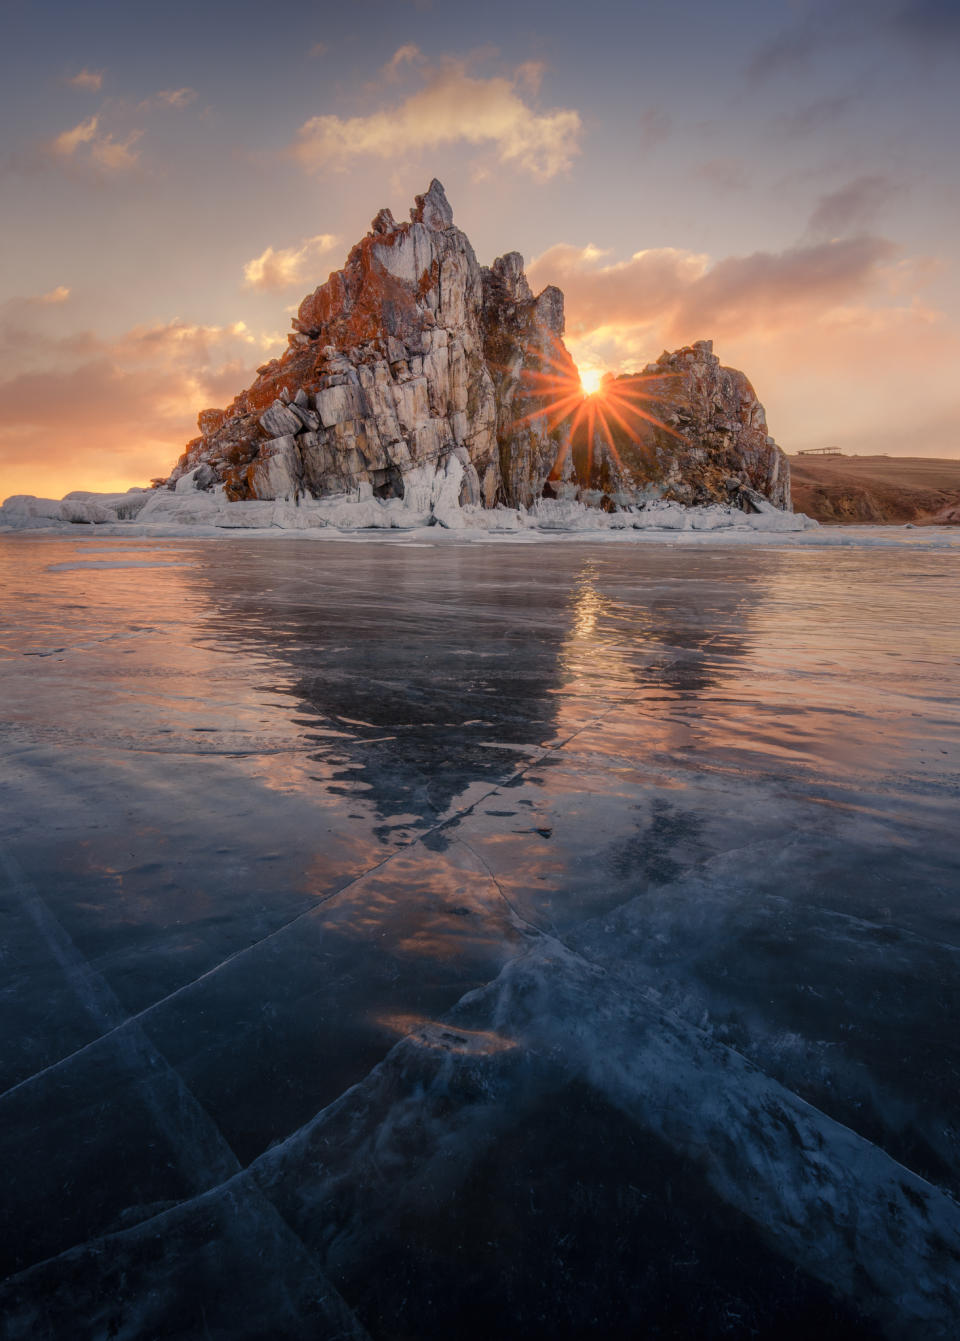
(432, 512)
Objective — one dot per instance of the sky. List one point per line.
(779, 176)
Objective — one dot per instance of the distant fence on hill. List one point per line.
(821, 451)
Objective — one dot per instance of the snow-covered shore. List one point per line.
(188, 510)
(433, 512)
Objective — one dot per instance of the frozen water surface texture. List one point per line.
(408, 939)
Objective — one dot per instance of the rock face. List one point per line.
(413, 372)
(686, 428)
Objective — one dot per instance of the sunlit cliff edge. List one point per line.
(414, 357)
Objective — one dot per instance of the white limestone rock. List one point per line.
(280, 419)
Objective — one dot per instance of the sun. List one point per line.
(591, 380)
(598, 409)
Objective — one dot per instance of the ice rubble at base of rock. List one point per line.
(431, 498)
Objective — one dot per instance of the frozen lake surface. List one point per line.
(406, 939)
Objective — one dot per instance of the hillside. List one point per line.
(880, 489)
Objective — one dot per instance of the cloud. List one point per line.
(116, 155)
(58, 295)
(921, 28)
(68, 141)
(685, 297)
(168, 97)
(852, 207)
(318, 49)
(78, 411)
(931, 22)
(274, 269)
(602, 293)
(725, 174)
(651, 128)
(834, 335)
(176, 97)
(408, 54)
(452, 107)
(816, 115)
(87, 79)
(529, 75)
(103, 148)
(771, 291)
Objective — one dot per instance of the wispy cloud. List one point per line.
(408, 54)
(280, 268)
(68, 141)
(452, 106)
(813, 117)
(682, 296)
(58, 295)
(851, 207)
(725, 174)
(928, 22)
(116, 155)
(103, 149)
(169, 97)
(87, 79)
(653, 126)
(921, 29)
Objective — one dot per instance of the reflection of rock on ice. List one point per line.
(491, 1028)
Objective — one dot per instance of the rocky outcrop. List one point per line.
(686, 429)
(414, 373)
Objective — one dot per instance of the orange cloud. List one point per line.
(834, 335)
(169, 97)
(770, 291)
(103, 148)
(452, 106)
(176, 97)
(87, 79)
(681, 293)
(80, 412)
(599, 292)
(116, 155)
(274, 269)
(68, 141)
(408, 54)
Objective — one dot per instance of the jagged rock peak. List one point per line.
(413, 373)
(433, 208)
(509, 271)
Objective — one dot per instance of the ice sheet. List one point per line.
(502, 945)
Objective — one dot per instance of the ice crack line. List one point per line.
(197, 1145)
(448, 821)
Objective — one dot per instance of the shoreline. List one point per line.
(824, 537)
